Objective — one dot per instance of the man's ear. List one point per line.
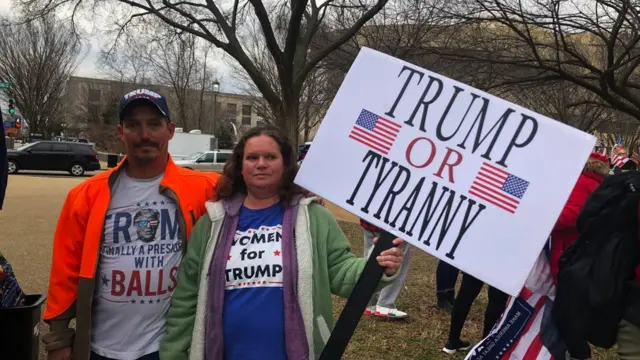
(120, 130)
(172, 129)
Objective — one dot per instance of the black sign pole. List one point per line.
(357, 302)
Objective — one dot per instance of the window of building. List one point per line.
(94, 95)
(93, 111)
(246, 114)
(232, 112)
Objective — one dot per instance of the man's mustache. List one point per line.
(147, 143)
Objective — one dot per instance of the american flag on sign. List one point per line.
(498, 187)
(375, 131)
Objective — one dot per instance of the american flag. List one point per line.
(619, 160)
(498, 187)
(375, 132)
(517, 335)
(619, 155)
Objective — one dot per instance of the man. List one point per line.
(383, 304)
(119, 240)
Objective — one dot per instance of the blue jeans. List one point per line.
(152, 356)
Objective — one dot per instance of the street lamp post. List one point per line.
(216, 89)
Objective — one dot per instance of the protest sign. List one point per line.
(466, 176)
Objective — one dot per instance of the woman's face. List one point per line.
(262, 165)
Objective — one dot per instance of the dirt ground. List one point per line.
(29, 217)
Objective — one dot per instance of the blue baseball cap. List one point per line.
(143, 95)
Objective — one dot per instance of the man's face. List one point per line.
(145, 132)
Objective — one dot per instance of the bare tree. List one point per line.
(175, 65)
(36, 58)
(592, 44)
(173, 62)
(404, 29)
(100, 119)
(126, 61)
(627, 133)
(222, 24)
(563, 101)
(314, 95)
(206, 84)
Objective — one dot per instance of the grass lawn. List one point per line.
(422, 335)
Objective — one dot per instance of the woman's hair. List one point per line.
(232, 181)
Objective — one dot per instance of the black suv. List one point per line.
(76, 158)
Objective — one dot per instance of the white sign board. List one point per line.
(463, 175)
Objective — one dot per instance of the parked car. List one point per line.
(74, 157)
(213, 160)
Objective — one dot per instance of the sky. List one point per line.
(87, 66)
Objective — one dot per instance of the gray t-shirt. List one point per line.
(137, 272)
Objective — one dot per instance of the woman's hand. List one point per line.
(391, 259)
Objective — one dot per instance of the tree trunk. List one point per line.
(307, 121)
(288, 124)
(183, 116)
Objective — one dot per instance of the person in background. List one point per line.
(620, 161)
(119, 240)
(565, 233)
(469, 290)
(257, 279)
(446, 278)
(383, 303)
(10, 292)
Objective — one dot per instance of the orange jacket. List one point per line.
(77, 240)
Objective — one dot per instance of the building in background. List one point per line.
(92, 103)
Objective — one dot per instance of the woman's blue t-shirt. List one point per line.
(253, 317)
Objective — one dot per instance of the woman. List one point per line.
(565, 233)
(259, 271)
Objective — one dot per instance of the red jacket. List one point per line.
(564, 233)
